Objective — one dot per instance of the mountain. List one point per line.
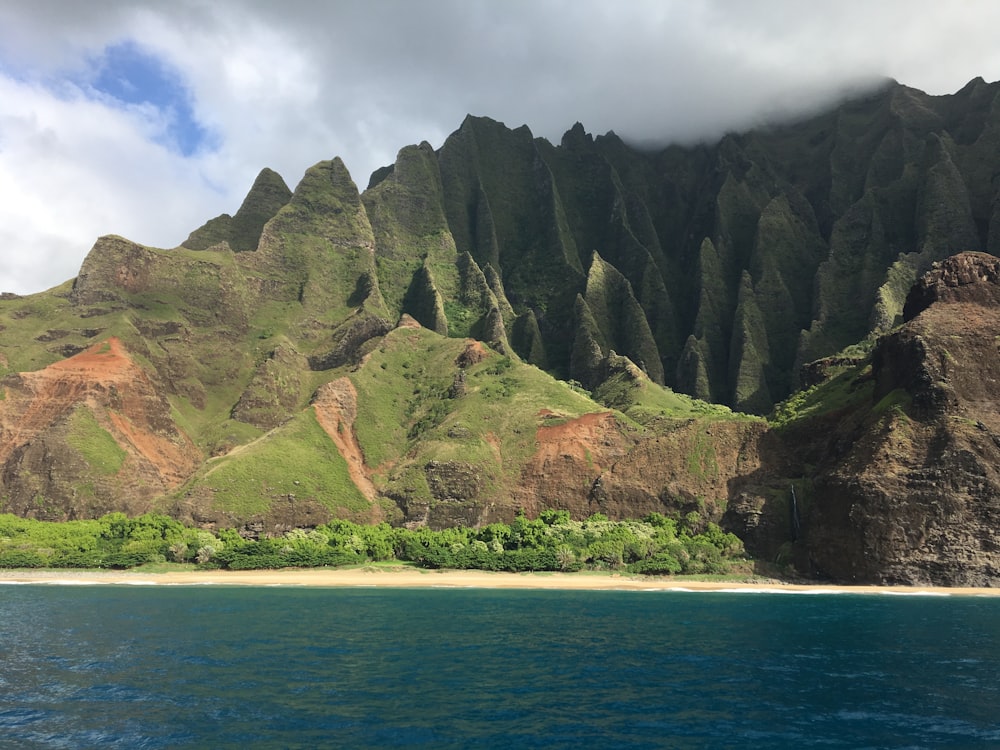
(505, 324)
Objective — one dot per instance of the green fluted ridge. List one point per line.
(830, 217)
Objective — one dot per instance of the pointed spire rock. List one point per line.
(267, 196)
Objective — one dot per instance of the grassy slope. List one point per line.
(33, 328)
(847, 388)
(295, 459)
(406, 417)
(650, 404)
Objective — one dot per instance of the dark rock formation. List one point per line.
(910, 489)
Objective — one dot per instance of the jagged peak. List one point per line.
(415, 166)
(470, 122)
(476, 123)
(382, 173)
(241, 231)
(267, 177)
(379, 175)
(408, 321)
(611, 139)
(268, 195)
(576, 137)
(618, 364)
(332, 172)
(326, 196)
(972, 85)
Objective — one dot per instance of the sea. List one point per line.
(211, 666)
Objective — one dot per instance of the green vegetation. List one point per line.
(701, 460)
(416, 404)
(294, 461)
(892, 294)
(897, 401)
(717, 270)
(651, 405)
(851, 387)
(620, 322)
(97, 446)
(656, 545)
(112, 541)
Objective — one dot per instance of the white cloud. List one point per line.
(287, 84)
(71, 169)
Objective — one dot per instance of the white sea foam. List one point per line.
(71, 582)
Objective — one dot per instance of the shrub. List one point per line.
(554, 517)
(660, 565)
(19, 558)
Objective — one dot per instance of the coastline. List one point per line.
(422, 578)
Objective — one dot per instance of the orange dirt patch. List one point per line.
(120, 394)
(569, 457)
(103, 362)
(494, 442)
(578, 437)
(336, 407)
(173, 463)
(42, 397)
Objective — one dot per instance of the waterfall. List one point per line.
(796, 524)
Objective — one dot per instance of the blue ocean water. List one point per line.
(234, 667)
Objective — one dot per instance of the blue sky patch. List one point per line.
(132, 75)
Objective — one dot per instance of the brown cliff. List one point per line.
(909, 488)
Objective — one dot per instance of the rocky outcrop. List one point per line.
(210, 290)
(910, 492)
(967, 277)
(593, 464)
(570, 458)
(349, 339)
(275, 390)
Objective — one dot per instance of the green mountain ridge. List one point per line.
(505, 324)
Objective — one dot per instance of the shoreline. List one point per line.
(423, 578)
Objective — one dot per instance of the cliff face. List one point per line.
(908, 490)
(394, 355)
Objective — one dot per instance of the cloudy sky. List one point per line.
(146, 117)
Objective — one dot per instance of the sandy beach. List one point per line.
(415, 578)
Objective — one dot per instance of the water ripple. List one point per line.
(143, 667)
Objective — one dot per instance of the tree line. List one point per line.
(654, 545)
